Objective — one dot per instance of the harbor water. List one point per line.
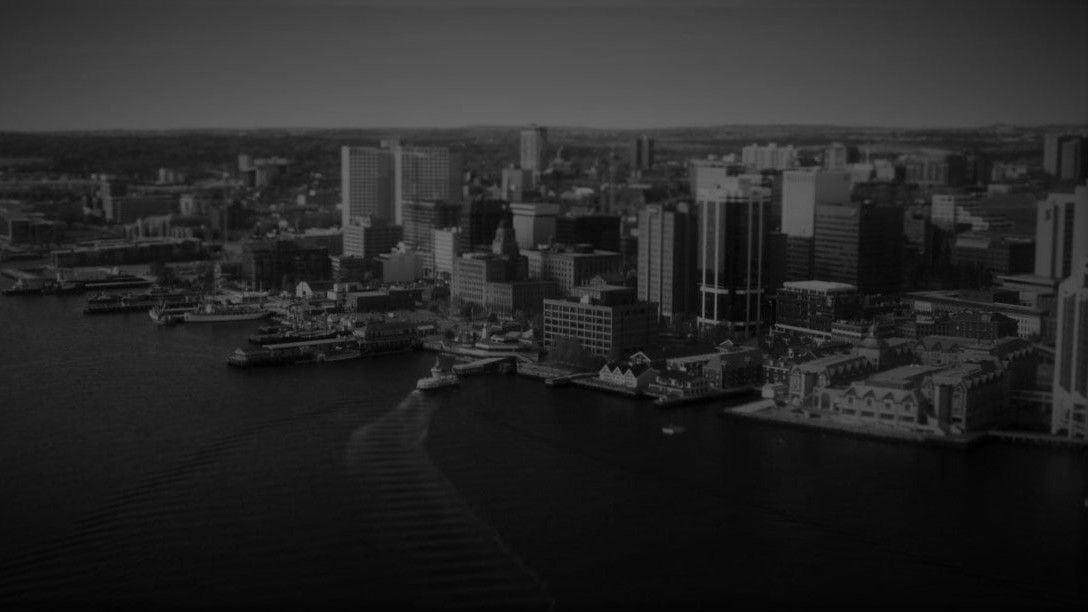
(137, 467)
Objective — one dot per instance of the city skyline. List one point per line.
(193, 64)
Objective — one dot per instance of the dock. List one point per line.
(1038, 439)
(483, 366)
(17, 274)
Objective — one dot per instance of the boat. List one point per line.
(329, 354)
(212, 312)
(265, 357)
(672, 429)
(23, 287)
(438, 379)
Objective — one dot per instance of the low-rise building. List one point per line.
(633, 376)
(611, 325)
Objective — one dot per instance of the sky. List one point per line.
(168, 64)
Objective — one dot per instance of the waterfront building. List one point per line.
(642, 153)
(369, 236)
(534, 224)
(534, 140)
(627, 375)
(1070, 387)
(808, 379)
(731, 254)
(699, 360)
(385, 300)
(573, 267)
(810, 307)
(1061, 232)
(894, 397)
(678, 384)
(606, 320)
(366, 183)
(860, 244)
(802, 190)
(739, 366)
(599, 231)
(667, 270)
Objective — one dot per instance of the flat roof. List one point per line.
(819, 285)
(903, 373)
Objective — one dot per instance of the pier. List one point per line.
(484, 366)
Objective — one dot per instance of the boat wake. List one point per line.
(444, 552)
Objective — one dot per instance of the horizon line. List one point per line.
(992, 125)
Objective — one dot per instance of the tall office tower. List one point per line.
(667, 242)
(533, 142)
(802, 190)
(861, 245)
(1061, 232)
(366, 183)
(534, 223)
(1051, 153)
(799, 258)
(835, 156)
(424, 173)
(1070, 411)
(642, 153)
(1071, 161)
(479, 220)
(730, 257)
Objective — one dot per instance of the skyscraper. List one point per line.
(642, 153)
(730, 258)
(366, 183)
(802, 190)
(424, 173)
(1071, 163)
(1051, 152)
(533, 142)
(667, 271)
(861, 245)
(1061, 232)
(835, 156)
(1070, 411)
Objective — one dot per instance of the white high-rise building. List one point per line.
(1061, 233)
(366, 183)
(424, 174)
(802, 190)
(1070, 411)
(533, 141)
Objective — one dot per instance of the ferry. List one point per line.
(210, 312)
(438, 379)
(24, 287)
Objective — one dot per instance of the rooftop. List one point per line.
(819, 285)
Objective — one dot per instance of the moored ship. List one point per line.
(213, 312)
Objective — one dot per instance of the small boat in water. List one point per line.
(671, 430)
(438, 379)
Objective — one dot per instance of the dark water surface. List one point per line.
(136, 467)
